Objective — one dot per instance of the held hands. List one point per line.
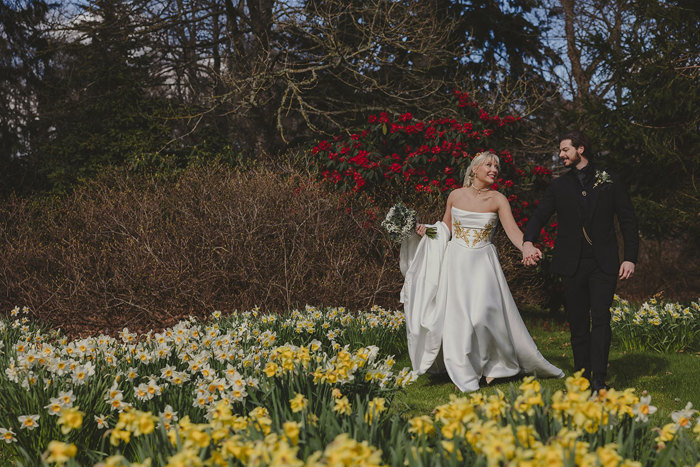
(421, 229)
(531, 255)
(626, 270)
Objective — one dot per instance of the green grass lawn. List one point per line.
(670, 379)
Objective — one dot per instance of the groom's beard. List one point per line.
(572, 162)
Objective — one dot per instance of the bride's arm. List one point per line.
(447, 218)
(505, 215)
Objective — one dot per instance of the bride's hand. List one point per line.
(421, 229)
(531, 254)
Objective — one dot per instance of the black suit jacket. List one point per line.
(564, 196)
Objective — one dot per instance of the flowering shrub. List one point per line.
(655, 325)
(402, 157)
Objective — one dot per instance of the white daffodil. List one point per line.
(8, 435)
(55, 406)
(643, 409)
(101, 421)
(28, 422)
(141, 392)
(682, 418)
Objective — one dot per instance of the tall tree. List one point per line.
(632, 71)
(23, 60)
(95, 106)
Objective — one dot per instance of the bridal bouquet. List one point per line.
(400, 221)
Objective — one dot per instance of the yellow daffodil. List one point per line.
(70, 419)
(298, 403)
(59, 452)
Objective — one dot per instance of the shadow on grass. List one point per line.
(438, 378)
(636, 365)
(640, 369)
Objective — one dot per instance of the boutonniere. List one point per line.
(601, 178)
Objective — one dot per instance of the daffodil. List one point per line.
(342, 406)
(8, 435)
(298, 403)
(422, 425)
(682, 418)
(28, 422)
(643, 409)
(291, 431)
(70, 419)
(59, 452)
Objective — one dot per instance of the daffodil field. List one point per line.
(315, 387)
(658, 326)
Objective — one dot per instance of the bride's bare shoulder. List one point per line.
(498, 196)
(457, 192)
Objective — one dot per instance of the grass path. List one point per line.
(670, 379)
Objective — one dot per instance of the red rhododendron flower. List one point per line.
(427, 154)
(407, 117)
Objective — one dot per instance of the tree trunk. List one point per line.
(582, 84)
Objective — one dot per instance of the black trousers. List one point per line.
(588, 295)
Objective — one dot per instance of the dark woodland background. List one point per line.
(155, 155)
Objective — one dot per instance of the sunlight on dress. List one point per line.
(455, 295)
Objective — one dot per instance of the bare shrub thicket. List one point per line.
(144, 253)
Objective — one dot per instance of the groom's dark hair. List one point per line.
(579, 139)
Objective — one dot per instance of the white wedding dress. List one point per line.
(456, 298)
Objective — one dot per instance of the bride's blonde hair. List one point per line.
(479, 159)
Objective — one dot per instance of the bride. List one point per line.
(455, 295)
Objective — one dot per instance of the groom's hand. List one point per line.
(626, 270)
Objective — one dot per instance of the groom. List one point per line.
(585, 199)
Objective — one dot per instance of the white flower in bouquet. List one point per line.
(400, 222)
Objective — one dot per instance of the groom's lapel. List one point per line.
(575, 190)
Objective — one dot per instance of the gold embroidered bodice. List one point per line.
(474, 229)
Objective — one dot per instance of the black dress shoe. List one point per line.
(598, 385)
